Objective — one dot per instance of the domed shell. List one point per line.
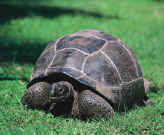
(95, 59)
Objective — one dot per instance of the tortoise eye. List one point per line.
(60, 90)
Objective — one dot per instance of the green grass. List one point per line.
(26, 28)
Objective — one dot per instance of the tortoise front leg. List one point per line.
(90, 105)
(37, 95)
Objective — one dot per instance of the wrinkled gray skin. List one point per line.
(61, 98)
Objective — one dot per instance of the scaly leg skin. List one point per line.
(37, 95)
(92, 105)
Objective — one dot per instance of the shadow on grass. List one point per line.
(154, 89)
(13, 79)
(15, 53)
(12, 11)
(22, 54)
(10, 72)
(159, 0)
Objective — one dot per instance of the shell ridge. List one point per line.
(88, 35)
(54, 55)
(93, 35)
(72, 49)
(113, 87)
(114, 66)
(81, 34)
(126, 83)
(84, 74)
(83, 65)
(66, 67)
(130, 54)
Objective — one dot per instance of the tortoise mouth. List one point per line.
(60, 105)
(57, 99)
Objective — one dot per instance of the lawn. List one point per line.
(27, 27)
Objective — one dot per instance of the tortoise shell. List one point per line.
(95, 59)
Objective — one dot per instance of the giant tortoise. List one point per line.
(85, 74)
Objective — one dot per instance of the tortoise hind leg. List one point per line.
(90, 105)
(146, 85)
(147, 100)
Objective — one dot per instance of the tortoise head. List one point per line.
(61, 91)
